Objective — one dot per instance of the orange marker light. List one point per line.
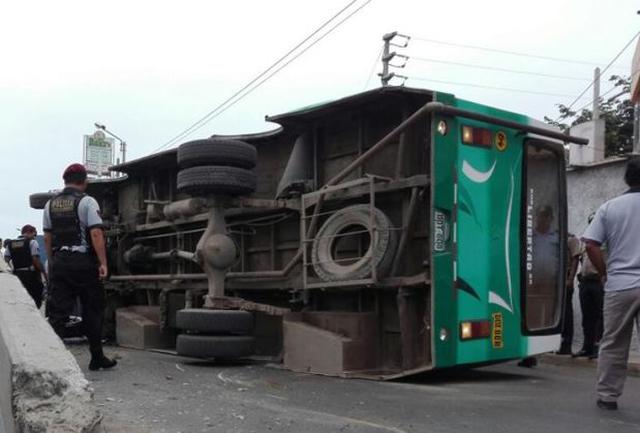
(470, 330)
(477, 136)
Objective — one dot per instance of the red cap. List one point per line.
(75, 169)
(28, 228)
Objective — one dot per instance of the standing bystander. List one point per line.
(24, 255)
(617, 225)
(591, 300)
(573, 255)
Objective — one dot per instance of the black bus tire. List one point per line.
(215, 321)
(40, 199)
(215, 346)
(381, 251)
(216, 179)
(217, 151)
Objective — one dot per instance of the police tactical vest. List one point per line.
(20, 253)
(65, 221)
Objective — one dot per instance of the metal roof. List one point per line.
(370, 96)
(167, 158)
(155, 160)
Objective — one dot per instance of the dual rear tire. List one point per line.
(216, 166)
(219, 334)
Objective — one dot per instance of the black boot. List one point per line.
(101, 362)
(564, 350)
(587, 352)
(607, 405)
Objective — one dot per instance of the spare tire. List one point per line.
(215, 321)
(40, 199)
(215, 179)
(212, 346)
(382, 246)
(217, 151)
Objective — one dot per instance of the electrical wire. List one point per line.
(286, 64)
(495, 68)
(602, 72)
(203, 120)
(513, 53)
(579, 110)
(373, 69)
(482, 86)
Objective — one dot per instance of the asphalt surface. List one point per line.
(153, 392)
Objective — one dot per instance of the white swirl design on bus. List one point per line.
(494, 298)
(476, 175)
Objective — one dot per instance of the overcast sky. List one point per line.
(148, 69)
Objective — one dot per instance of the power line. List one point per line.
(579, 110)
(482, 86)
(205, 118)
(285, 64)
(495, 68)
(603, 71)
(513, 53)
(373, 69)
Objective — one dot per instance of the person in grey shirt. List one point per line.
(617, 224)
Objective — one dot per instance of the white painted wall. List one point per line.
(589, 187)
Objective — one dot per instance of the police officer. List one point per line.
(74, 240)
(24, 256)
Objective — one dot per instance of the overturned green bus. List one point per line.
(383, 234)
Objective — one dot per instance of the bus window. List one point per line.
(543, 282)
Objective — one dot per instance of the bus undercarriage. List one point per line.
(336, 252)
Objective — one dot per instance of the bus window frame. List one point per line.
(558, 150)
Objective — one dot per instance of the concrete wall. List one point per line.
(42, 389)
(590, 186)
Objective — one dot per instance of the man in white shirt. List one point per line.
(617, 224)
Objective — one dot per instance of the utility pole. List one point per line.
(636, 128)
(384, 77)
(388, 55)
(596, 94)
(635, 69)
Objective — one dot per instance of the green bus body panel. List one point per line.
(476, 272)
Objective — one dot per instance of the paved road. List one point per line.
(152, 392)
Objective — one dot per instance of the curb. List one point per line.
(633, 367)
(42, 389)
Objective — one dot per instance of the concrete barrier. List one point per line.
(42, 389)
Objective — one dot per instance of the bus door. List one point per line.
(544, 234)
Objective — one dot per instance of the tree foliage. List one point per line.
(617, 111)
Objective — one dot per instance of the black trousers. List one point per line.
(591, 303)
(567, 325)
(73, 276)
(32, 281)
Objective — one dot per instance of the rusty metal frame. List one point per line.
(308, 236)
(429, 108)
(432, 108)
